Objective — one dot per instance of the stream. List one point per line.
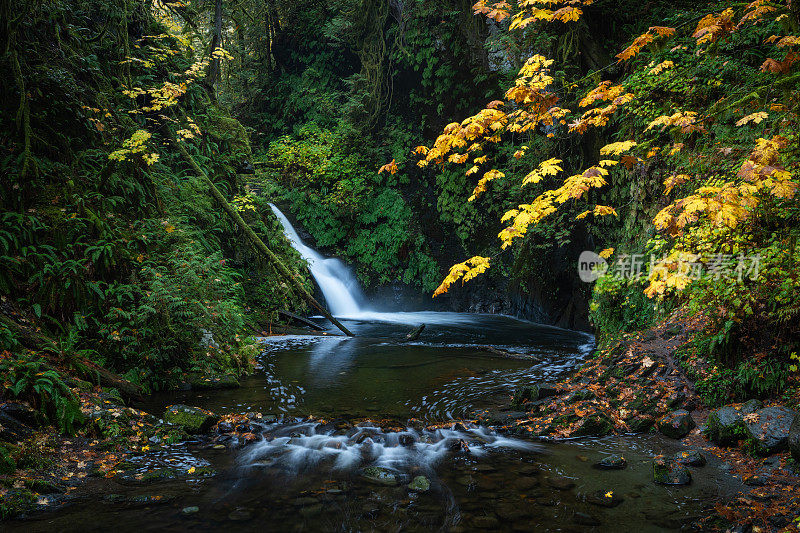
(346, 424)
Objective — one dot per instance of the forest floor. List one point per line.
(635, 384)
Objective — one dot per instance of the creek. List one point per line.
(345, 425)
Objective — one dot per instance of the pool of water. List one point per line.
(308, 474)
(446, 373)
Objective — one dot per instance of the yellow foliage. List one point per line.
(675, 180)
(480, 188)
(467, 270)
(617, 148)
(390, 167)
(755, 118)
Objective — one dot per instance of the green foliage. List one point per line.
(619, 304)
(351, 211)
(28, 378)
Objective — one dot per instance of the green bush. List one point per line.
(30, 379)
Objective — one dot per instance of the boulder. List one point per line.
(531, 393)
(690, 458)
(794, 439)
(379, 475)
(23, 413)
(420, 484)
(668, 472)
(191, 419)
(725, 425)
(768, 429)
(641, 423)
(676, 424)
(612, 462)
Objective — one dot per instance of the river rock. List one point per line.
(379, 476)
(420, 484)
(768, 429)
(794, 439)
(192, 509)
(690, 458)
(531, 393)
(676, 424)
(669, 472)
(192, 419)
(612, 462)
(725, 425)
(594, 425)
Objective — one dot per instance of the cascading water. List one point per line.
(337, 282)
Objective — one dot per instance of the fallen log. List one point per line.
(256, 241)
(304, 320)
(414, 335)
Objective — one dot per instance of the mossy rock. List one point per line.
(580, 396)
(725, 425)
(212, 381)
(768, 429)
(379, 475)
(669, 472)
(192, 419)
(676, 424)
(42, 486)
(420, 484)
(229, 129)
(159, 474)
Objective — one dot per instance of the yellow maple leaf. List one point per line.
(755, 118)
(617, 148)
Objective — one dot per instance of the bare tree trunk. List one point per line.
(216, 42)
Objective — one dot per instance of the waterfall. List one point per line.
(336, 281)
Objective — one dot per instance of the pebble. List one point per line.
(190, 510)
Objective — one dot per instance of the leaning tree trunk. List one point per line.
(256, 240)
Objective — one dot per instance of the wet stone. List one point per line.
(485, 522)
(379, 475)
(668, 472)
(690, 458)
(585, 519)
(192, 509)
(676, 424)
(528, 470)
(612, 462)
(525, 483)
(311, 511)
